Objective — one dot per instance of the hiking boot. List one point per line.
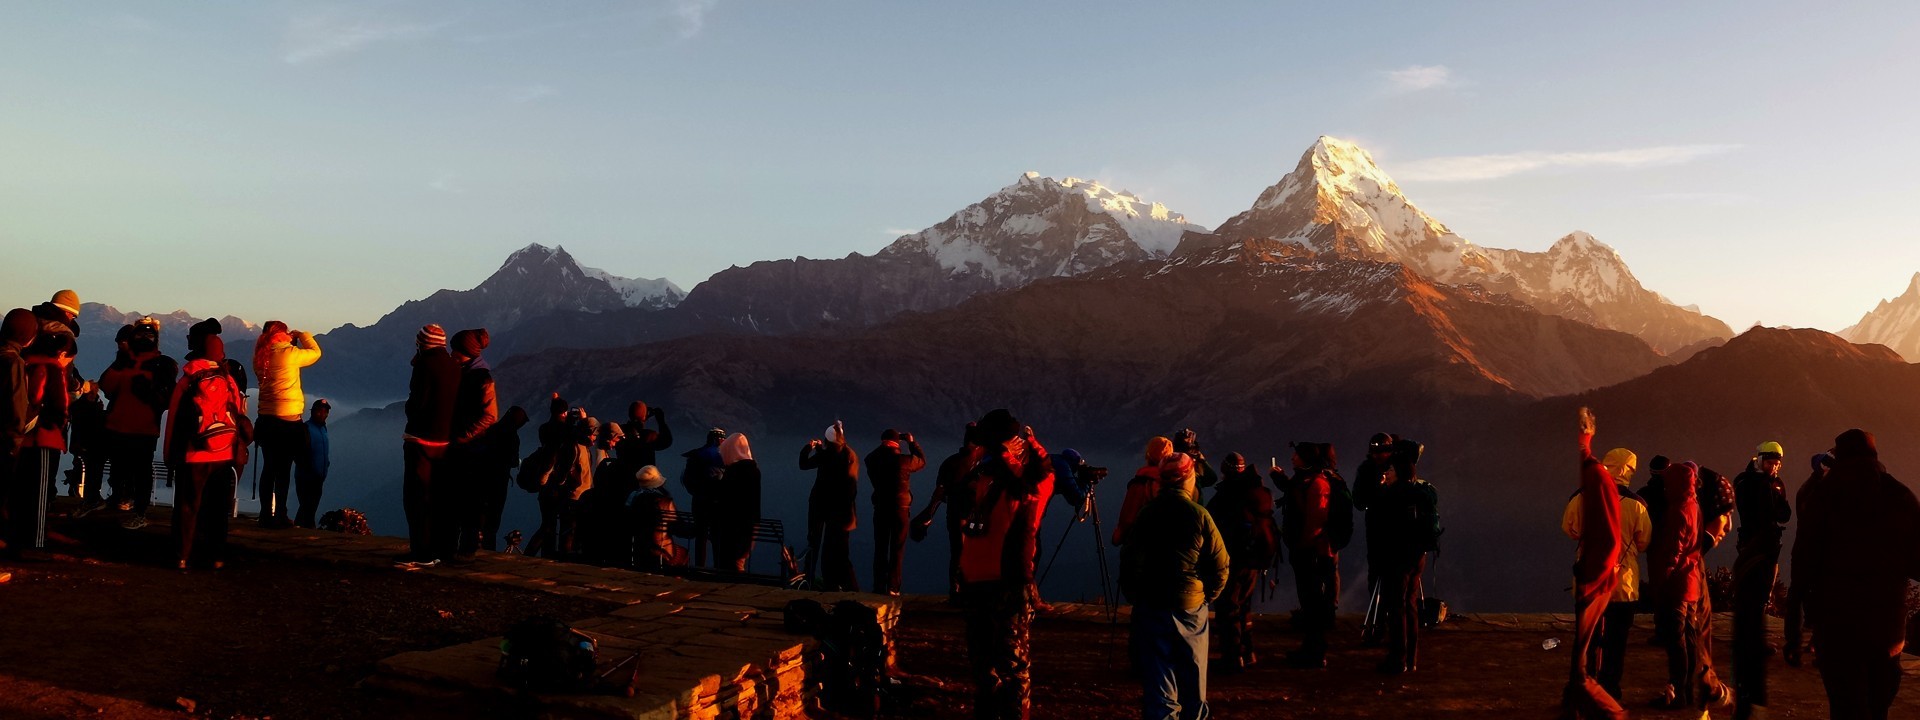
(135, 523)
(423, 564)
(86, 508)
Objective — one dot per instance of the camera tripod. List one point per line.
(1090, 510)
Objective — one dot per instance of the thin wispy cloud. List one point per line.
(1466, 168)
(691, 15)
(320, 36)
(895, 232)
(1703, 198)
(1416, 78)
(447, 182)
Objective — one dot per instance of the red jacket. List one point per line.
(49, 394)
(1144, 485)
(1593, 575)
(180, 447)
(1674, 560)
(1005, 551)
(137, 392)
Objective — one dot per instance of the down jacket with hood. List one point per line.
(277, 360)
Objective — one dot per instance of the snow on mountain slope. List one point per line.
(1039, 227)
(640, 292)
(1337, 200)
(1894, 323)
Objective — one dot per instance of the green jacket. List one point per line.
(1173, 556)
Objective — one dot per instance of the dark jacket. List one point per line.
(641, 445)
(703, 472)
(1366, 495)
(1856, 549)
(1408, 512)
(891, 473)
(502, 447)
(836, 484)
(1173, 557)
(16, 408)
(1242, 507)
(475, 405)
(89, 426)
(430, 396)
(740, 505)
(315, 461)
(1761, 500)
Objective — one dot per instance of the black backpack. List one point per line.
(1339, 512)
(541, 654)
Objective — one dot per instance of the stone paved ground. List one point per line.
(705, 649)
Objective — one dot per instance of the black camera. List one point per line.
(1091, 475)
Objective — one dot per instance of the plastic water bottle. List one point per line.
(1550, 644)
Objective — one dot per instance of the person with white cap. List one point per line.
(831, 517)
(1760, 497)
(739, 505)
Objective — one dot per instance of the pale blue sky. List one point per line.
(324, 163)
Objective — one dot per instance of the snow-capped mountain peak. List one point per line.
(1041, 227)
(640, 292)
(1894, 323)
(557, 270)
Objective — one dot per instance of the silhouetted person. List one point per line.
(203, 442)
(738, 508)
(1852, 559)
(1761, 498)
(1311, 506)
(476, 408)
(49, 361)
(16, 412)
(430, 399)
(1242, 507)
(701, 478)
(647, 506)
(138, 386)
(831, 518)
(501, 454)
(1606, 661)
(890, 469)
(640, 445)
(1411, 507)
(1143, 486)
(1677, 566)
(947, 490)
(87, 443)
(310, 473)
(1366, 489)
(1172, 565)
(278, 357)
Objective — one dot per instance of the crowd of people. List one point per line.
(1852, 559)
(603, 499)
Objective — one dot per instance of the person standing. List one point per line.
(278, 357)
(1172, 565)
(476, 408)
(1678, 569)
(310, 474)
(1760, 497)
(1366, 489)
(1410, 506)
(502, 455)
(701, 478)
(17, 413)
(947, 490)
(1606, 661)
(138, 386)
(647, 507)
(1242, 507)
(1005, 493)
(49, 361)
(890, 469)
(831, 517)
(205, 434)
(1143, 486)
(641, 445)
(1857, 548)
(1311, 508)
(430, 399)
(1592, 518)
(87, 442)
(739, 506)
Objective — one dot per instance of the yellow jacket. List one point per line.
(1636, 531)
(277, 365)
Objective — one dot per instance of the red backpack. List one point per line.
(209, 409)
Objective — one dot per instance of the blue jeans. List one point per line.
(1170, 646)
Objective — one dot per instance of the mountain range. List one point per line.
(1894, 323)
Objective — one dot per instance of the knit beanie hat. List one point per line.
(637, 411)
(1856, 444)
(1158, 449)
(67, 300)
(555, 407)
(431, 336)
(469, 343)
(20, 327)
(515, 417)
(1177, 468)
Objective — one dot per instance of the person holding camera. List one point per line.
(1604, 568)
(278, 357)
(1005, 494)
(1187, 442)
(831, 517)
(947, 490)
(890, 469)
(1410, 506)
(1172, 566)
(641, 445)
(138, 386)
(1243, 510)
